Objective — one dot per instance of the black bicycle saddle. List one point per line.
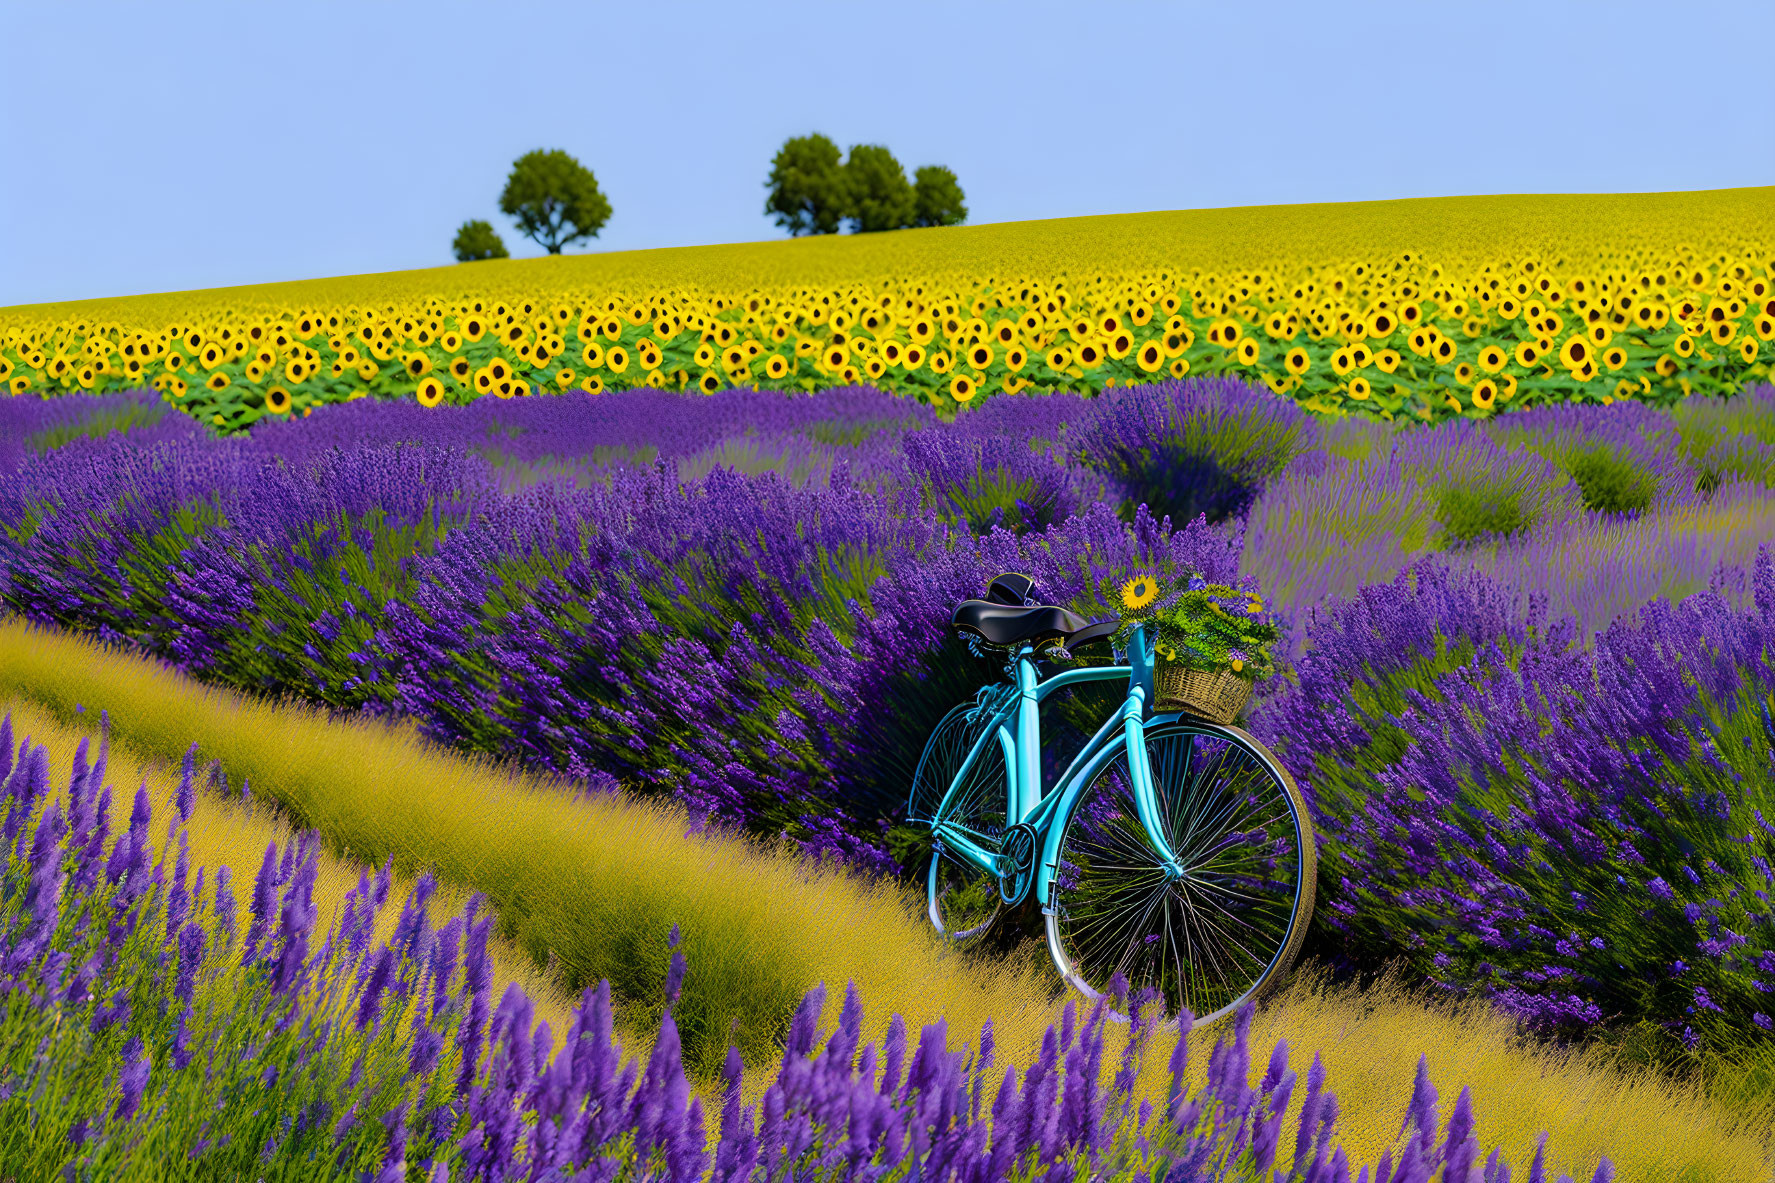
(1006, 618)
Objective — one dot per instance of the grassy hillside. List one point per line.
(1209, 240)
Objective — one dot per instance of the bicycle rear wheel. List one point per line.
(962, 899)
(1226, 921)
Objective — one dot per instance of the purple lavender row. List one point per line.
(32, 426)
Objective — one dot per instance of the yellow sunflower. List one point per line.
(1139, 591)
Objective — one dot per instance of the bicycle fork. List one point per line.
(1132, 719)
(1140, 774)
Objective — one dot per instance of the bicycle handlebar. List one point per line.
(1103, 630)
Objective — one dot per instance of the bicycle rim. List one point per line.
(1227, 928)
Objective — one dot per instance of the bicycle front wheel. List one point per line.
(962, 899)
(1224, 922)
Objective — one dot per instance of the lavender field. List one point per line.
(243, 1046)
(1527, 696)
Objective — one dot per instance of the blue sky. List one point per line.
(167, 146)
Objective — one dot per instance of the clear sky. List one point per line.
(165, 146)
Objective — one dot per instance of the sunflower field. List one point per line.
(1429, 309)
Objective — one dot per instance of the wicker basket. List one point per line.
(1216, 696)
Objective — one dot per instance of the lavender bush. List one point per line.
(1480, 489)
(609, 628)
(1371, 513)
(1726, 440)
(32, 426)
(1186, 449)
(987, 482)
(1619, 456)
(260, 571)
(1583, 834)
(154, 1026)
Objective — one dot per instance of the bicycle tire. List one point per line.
(962, 901)
(1116, 909)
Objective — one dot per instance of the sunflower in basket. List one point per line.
(1212, 642)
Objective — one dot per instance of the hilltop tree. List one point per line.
(478, 240)
(880, 196)
(814, 191)
(807, 186)
(938, 198)
(554, 199)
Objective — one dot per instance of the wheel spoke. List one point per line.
(1218, 824)
(1209, 923)
(1228, 841)
(1213, 813)
(1177, 758)
(1194, 807)
(1205, 960)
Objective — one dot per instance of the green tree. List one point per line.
(937, 195)
(807, 186)
(880, 196)
(478, 240)
(554, 199)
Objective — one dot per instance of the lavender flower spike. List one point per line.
(132, 1080)
(185, 798)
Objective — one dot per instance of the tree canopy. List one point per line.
(476, 239)
(814, 191)
(938, 198)
(554, 199)
(807, 186)
(880, 196)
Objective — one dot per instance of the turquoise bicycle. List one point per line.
(1173, 852)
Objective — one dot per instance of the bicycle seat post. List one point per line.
(1027, 775)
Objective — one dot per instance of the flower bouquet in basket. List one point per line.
(1211, 642)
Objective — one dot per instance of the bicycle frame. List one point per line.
(1016, 726)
